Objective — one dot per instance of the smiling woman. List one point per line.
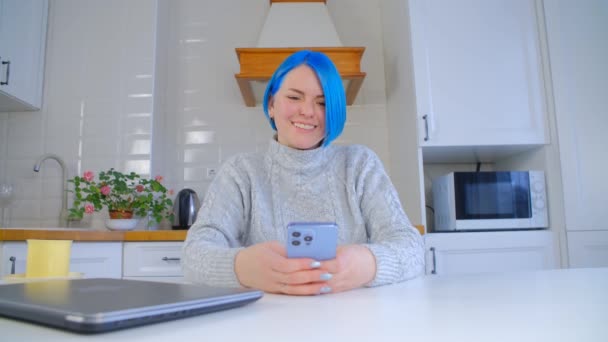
(295, 99)
(298, 110)
(239, 236)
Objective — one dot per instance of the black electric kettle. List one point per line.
(185, 208)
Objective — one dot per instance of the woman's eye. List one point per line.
(322, 104)
(291, 97)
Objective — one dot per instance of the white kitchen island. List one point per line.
(553, 305)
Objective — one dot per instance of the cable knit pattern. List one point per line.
(254, 196)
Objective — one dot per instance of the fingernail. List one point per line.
(315, 264)
(325, 289)
(326, 276)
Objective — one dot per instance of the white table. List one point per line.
(555, 305)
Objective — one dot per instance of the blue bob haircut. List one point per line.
(331, 83)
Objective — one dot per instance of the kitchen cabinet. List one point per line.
(489, 252)
(477, 73)
(93, 259)
(23, 26)
(579, 50)
(588, 249)
(471, 81)
(158, 261)
(576, 34)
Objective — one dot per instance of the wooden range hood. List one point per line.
(257, 64)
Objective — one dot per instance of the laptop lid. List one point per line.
(99, 304)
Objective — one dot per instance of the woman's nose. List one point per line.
(307, 108)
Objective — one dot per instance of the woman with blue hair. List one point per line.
(239, 236)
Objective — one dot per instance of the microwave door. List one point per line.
(491, 198)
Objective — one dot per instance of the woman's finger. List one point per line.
(303, 277)
(304, 289)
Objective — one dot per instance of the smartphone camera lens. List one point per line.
(295, 242)
(296, 234)
(308, 238)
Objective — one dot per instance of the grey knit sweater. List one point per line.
(254, 196)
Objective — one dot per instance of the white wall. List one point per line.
(107, 104)
(405, 155)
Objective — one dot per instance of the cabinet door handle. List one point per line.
(426, 127)
(434, 270)
(171, 259)
(8, 72)
(12, 260)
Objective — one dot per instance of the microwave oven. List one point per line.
(505, 200)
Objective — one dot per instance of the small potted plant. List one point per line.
(125, 195)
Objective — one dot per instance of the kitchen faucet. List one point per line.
(63, 215)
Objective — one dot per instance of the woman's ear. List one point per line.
(271, 107)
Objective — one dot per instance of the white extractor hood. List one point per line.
(291, 26)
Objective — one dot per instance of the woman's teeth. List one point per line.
(303, 126)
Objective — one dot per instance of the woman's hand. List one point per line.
(353, 267)
(265, 266)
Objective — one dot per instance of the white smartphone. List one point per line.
(316, 240)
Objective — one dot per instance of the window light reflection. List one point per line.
(193, 40)
(140, 146)
(199, 137)
(196, 122)
(143, 95)
(139, 115)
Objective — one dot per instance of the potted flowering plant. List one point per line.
(124, 195)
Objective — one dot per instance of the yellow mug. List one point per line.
(48, 258)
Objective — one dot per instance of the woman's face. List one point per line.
(298, 109)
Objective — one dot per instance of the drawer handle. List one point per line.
(12, 260)
(171, 259)
(8, 72)
(426, 127)
(434, 270)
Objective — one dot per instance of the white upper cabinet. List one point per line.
(23, 25)
(577, 33)
(478, 72)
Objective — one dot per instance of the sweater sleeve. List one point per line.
(215, 237)
(395, 243)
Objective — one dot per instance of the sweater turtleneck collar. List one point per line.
(291, 158)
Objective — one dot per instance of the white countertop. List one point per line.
(554, 305)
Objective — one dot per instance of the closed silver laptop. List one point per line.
(99, 304)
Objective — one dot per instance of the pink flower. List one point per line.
(88, 176)
(89, 208)
(139, 188)
(158, 178)
(105, 190)
(171, 192)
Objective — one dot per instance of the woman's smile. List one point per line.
(304, 126)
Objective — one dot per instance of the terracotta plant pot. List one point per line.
(121, 214)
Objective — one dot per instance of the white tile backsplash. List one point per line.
(207, 154)
(96, 51)
(111, 78)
